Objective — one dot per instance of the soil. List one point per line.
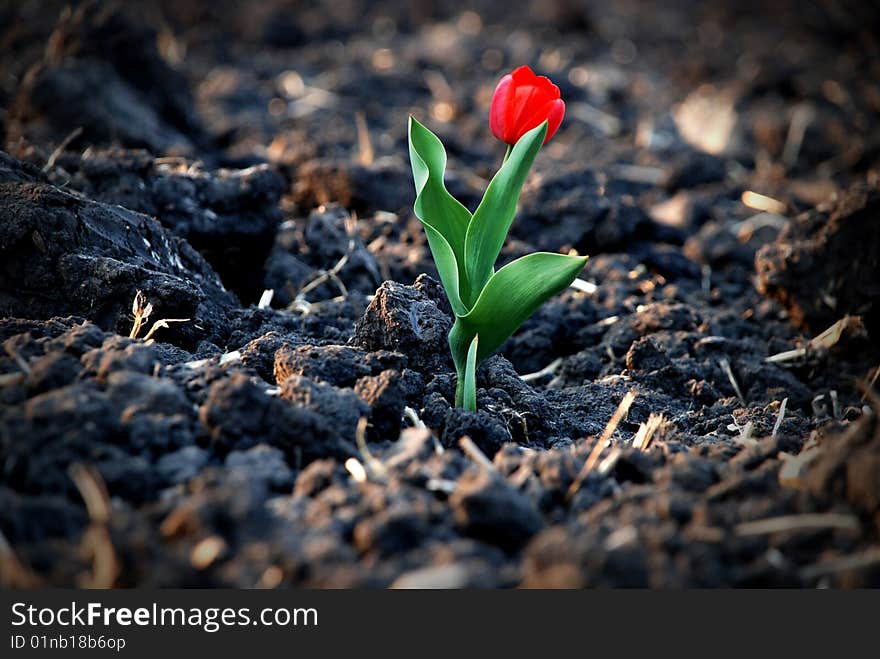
(719, 163)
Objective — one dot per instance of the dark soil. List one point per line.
(718, 161)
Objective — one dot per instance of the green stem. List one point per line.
(507, 153)
(459, 342)
(459, 389)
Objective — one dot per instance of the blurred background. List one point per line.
(786, 88)
(693, 114)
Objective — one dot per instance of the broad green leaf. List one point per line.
(444, 217)
(469, 401)
(493, 217)
(512, 295)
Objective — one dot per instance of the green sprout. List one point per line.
(489, 305)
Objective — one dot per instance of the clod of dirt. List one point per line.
(405, 319)
(230, 216)
(239, 414)
(62, 253)
(848, 465)
(322, 257)
(826, 263)
(487, 507)
(103, 73)
(581, 215)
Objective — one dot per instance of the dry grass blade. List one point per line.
(266, 299)
(827, 339)
(642, 439)
(805, 522)
(301, 304)
(728, 371)
(745, 436)
(93, 491)
(619, 414)
(366, 155)
(794, 466)
(163, 324)
(141, 311)
(584, 286)
(50, 163)
(780, 417)
(98, 547)
(96, 544)
(550, 369)
(374, 467)
(865, 559)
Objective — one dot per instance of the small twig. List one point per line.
(50, 163)
(374, 466)
(474, 453)
(414, 419)
(163, 323)
(300, 302)
(608, 463)
(619, 414)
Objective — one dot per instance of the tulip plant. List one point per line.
(488, 305)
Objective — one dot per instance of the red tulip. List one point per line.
(523, 101)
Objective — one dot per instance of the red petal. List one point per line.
(554, 119)
(522, 100)
(500, 102)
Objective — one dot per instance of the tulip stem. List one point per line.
(507, 153)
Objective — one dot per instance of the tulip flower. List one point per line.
(522, 101)
(488, 305)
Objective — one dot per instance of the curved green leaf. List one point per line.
(493, 217)
(512, 295)
(469, 400)
(444, 217)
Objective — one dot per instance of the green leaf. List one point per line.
(444, 217)
(469, 401)
(493, 217)
(512, 295)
